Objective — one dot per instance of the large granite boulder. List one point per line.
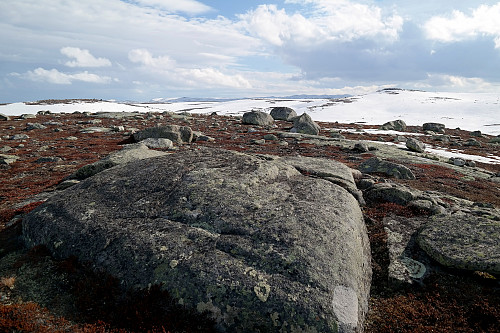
(305, 125)
(248, 238)
(283, 113)
(394, 125)
(258, 118)
(434, 127)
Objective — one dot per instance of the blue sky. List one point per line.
(145, 49)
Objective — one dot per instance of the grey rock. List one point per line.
(377, 165)
(8, 159)
(49, 159)
(257, 244)
(463, 241)
(389, 192)
(305, 125)
(470, 164)
(337, 135)
(4, 117)
(400, 138)
(457, 161)
(283, 113)
(330, 170)
(434, 127)
(5, 149)
(28, 116)
(44, 112)
(270, 137)
(476, 134)
(427, 206)
(66, 184)
(20, 137)
(258, 118)
(415, 145)
(126, 155)
(403, 269)
(361, 147)
(118, 128)
(96, 130)
(158, 143)
(178, 134)
(33, 126)
(472, 142)
(395, 125)
(495, 140)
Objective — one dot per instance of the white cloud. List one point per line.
(446, 82)
(483, 21)
(83, 58)
(186, 6)
(195, 77)
(144, 57)
(57, 77)
(337, 20)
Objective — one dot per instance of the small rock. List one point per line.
(271, 137)
(472, 142)
(415, 145)
(48, 159)
(476, 134)
(8, 159)
(117, 128)
(33, 126)
(28, 116)
(258, 141)
(457, 161)
(361, 147)
(5, 149)
(470, 164)
(19, 137)
(4, 117)
(43, 112)
(95, 130)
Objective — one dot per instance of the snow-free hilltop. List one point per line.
(468, 111)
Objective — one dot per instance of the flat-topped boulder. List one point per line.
(464, 241)
(250, 239)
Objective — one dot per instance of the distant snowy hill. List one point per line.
(469, 111)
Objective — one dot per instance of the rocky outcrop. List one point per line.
(395, 125)
(175, 133)
(377, 165)
(258, 118)
(250, 239)
(126, 155)
(283, 113)
(305, 125)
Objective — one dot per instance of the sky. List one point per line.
(145, 49)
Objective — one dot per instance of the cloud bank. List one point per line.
(141, 49)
